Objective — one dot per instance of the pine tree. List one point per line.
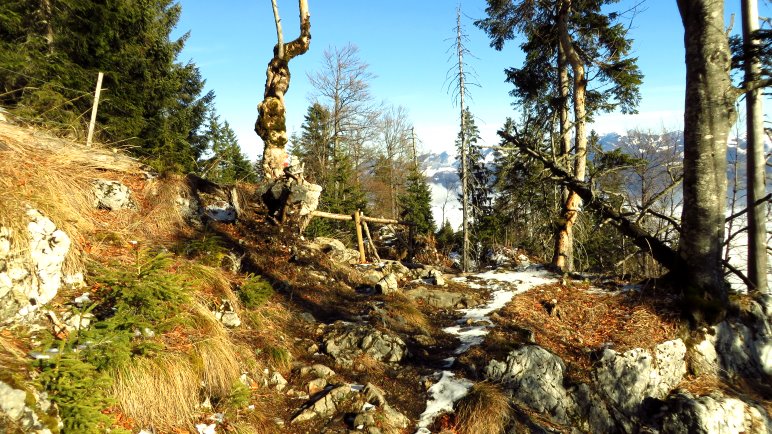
(314, 146)
(50, 53)
(227, 164)
(416, 203)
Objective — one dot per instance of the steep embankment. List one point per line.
(136, 302)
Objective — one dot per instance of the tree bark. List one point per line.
(564, 258)
(709, 114)
(757, 231)
(271, 123)
(564, 242)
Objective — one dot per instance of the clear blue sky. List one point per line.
(406, 44)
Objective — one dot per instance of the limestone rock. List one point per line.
(324, 405)
(713, 414)
(627, 378)
(112, 195)
(345, 341)
(318, 370)
(277, 381)
(441, 299)
(534, 376)
(387, 285)
(336, 250)
(14, 405)
(372, 276)
(395, 267)
(31, 278)
(221, 211)
(746, 349)
(435, 277)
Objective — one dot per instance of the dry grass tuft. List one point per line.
(484, 410)
(211, 280)
(161, 392)
(400, 306)
(218, 366)
(55, 177)
(164, 215)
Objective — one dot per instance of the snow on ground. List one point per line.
(442, 396)
(472, 328)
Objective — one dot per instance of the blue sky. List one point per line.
(406, 45)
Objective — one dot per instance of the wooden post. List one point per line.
(94, 110)
(370, 240)
(360, 242)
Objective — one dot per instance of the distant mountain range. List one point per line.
(441, 169)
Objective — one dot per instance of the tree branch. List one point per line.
(661, 252)
(767, 198)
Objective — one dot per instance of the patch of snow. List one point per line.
(526, 279)
(442, 396)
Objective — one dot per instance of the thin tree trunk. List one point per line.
(757, 255)
(564, 242)
(464, 168)
(708, 116)
(271, 123)
(564, 258)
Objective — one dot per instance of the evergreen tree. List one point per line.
(313, 146)
(227, 164)
(50, 53)
(479, 188)
(567, 45)
(416, 203)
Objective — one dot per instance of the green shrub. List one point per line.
(255, 291)
(208, 250)
(78, 388)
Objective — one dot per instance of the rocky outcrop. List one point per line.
(32, 278)
(626, 379)
(112, 195)
(534, 377)
(24, 409)
(335, 249)
(387, 285)
(713, 414)
(441, 299)
(346, 341)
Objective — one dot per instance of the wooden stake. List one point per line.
(94, 110)
(360, 243)
(370, 240)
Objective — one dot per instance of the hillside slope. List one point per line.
(133, 302)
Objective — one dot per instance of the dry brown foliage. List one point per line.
(484, 410)
(158, 392)
(583, 319)
(55, 177)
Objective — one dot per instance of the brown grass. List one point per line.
(161, 392)
(400, 306)
(484, 410)
(55, 177)
(591, 320)
(218, 365)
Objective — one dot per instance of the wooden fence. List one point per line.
(360, 225)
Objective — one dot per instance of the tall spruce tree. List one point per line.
(568, 42)
(416, 202)
(50, 53)
(227, 164)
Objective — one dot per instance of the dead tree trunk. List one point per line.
(271, 123)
